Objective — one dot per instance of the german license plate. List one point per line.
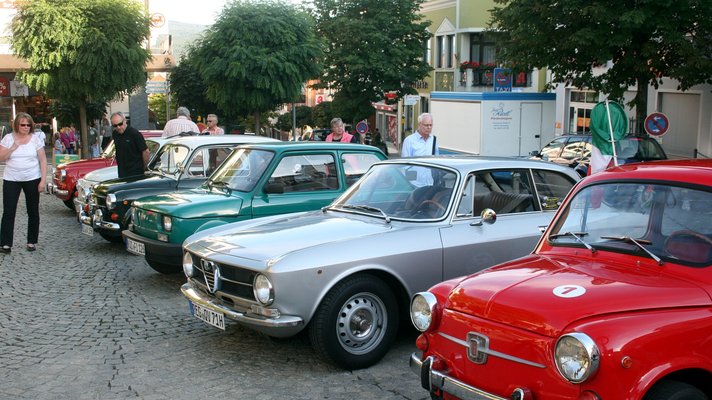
(87, 230)
(135, 247)
(210, 317)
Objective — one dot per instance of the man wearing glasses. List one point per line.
(131, 150)
(213, 128)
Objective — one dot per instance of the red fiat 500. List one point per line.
(614, 303)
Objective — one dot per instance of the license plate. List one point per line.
(135, 247)
(210, 317)
(87, 230)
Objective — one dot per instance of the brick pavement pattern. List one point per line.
(80, 318)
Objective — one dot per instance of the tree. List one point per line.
(81, 51)
(647, 41)
(189, 89)
(322, 114)
(157, 105)
(373, 47)
(257, 56)
(303, 117)
(68, 114)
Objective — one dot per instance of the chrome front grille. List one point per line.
(224, 280)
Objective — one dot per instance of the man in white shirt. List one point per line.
(180, 124)
(421, 143)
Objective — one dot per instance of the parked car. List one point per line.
(66, 175)
(346, 273)
(614, 303)
(575, 151)
(257, 180)
(85, 185)
(183, 162)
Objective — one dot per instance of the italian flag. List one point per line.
(609, 123)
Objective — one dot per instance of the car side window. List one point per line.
(465, 208)
(206, 160)
(553, 149)
(552, 187)
(504, 191)
(356, 164)
(306, 173)
(577, 148)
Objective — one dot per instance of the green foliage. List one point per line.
(645, 40)
(257, 55)
(322, 114)
(68, 113)
(81, 50)
(304, 117)
(373, 47)
(157, 105)
(190, 90)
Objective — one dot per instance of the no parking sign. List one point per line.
(656, 124)
(362, 127)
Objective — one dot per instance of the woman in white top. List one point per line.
(25, 170)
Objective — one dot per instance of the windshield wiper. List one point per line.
(575, 235)
(639, 243)
(362, 207)
(220, 184)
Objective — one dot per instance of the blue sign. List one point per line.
(656, 124)
(362, 127)
(502, 80)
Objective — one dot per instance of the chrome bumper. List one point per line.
(97, 221)
(254, 321)
(431, 380)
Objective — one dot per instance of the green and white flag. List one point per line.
(609, 123)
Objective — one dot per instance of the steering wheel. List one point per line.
(429, 205)
(690, 245)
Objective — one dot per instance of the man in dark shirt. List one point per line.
(131, 150)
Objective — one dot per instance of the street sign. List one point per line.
(153, 87)
(502, 80)
(362, 127)
(410, 99)
(656, 124)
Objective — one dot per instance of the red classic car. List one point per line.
(66, 175)
(614, 303)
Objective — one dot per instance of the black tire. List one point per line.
(111, 238)
(674, 390)
(70, 203)
(333, 331)
(163, 268)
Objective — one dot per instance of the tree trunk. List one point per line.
(256, 126)
(641, 105)
(83, 129)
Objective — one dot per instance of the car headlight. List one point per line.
(110, 201)
(167, 223)
(576, 356)
(263, 290)
(424, 311)
(188, 268)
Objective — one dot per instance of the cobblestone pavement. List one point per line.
(81, 318)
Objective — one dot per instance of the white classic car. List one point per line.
(347, 273)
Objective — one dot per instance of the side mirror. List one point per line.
(534, 153)
(488, 216)
(274, 188)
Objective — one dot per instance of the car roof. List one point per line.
(309, 145)
(692, 171)
(196, 140)
(466, 163)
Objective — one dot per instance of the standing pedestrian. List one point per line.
(421, 142)
(58, 145)
(39, 133)
(67, 138)
(213, 128)
(93, 140)
(338, 134)
(131, 150)
(181, 123)
(25, 171)
(106, 131)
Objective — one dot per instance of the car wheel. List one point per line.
(70, 203)
(164, 268)
(674, 390)
(355, 323)
(111, 238)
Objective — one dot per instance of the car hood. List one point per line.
(102, 174)
(195, 203)
(274, 238)
(86, 165)
(134, 182)
(546, 294)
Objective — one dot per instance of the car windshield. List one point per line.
(640, 149)
(664, 222)
(242, 170)
(170, 159)
(109, 151)
(401, 191)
